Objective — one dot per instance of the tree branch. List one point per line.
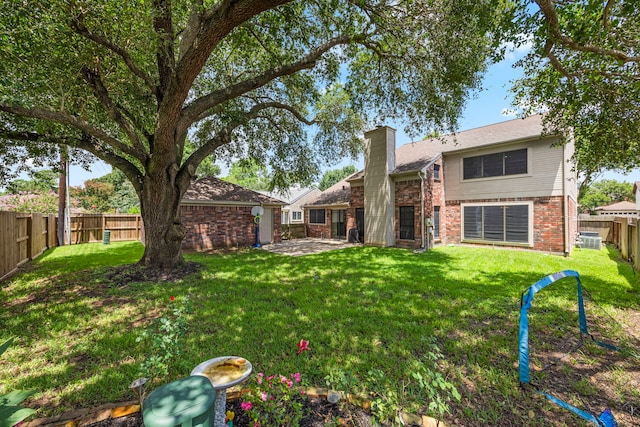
(78, 26)
(215, 25)
(163, 26)
(75, 122)
(548, 9)
(85, 142)
(195, 110)
(102, 94)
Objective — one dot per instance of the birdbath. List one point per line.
(223, 372)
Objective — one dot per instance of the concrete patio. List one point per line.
(299, 247)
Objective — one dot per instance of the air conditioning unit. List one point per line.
(590, 242)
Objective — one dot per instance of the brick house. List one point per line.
(503, 184)
(217, 214)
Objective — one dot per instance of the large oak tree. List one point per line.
(290, 84)
(584, 69)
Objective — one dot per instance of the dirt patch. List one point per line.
(125, 274)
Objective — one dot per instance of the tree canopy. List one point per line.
(605, 192)
(289, 84)
(588, 80)
(333, 176)
(249, 174)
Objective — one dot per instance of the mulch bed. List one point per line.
(320, 413)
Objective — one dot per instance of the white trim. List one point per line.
(528, 203)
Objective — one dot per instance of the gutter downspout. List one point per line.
(565, 201)
(422, 221)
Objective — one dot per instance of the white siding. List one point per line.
(544, 178)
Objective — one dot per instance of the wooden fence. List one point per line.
(620, 231)
(24, 237)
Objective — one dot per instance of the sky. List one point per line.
(489, 106)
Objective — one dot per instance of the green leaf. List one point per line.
(15, 397)
(6, 345)
(12, 415)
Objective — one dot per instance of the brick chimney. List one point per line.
(379, 161)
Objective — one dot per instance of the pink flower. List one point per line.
(264, 396)
(259, 377)
(289, 383)
(303, 345)
(296, 377)
(283, 379)
(246, 406)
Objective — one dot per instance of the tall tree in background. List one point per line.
(605, 192)
(249, 174)
(588, 79)
(333, 176)
(128, 81)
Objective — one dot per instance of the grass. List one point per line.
(364, 310)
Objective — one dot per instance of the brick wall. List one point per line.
(210, 227)
(548, 222)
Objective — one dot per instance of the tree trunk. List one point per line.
(164, 232)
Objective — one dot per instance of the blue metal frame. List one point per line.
(606, 418)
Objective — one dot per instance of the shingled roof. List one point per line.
(498, 133)
(337, 194)
(214, 190)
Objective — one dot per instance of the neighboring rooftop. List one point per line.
(216, 190)
(295, 192)
(618, 207)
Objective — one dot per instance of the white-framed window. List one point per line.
(508, 222)
(296, 216)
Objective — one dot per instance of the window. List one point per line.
(436, 221)
(296, 215)
(407, 226)
(436, 172)
(496, 223)
(496, 164)
(316, 216)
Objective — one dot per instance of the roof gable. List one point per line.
(339, 193)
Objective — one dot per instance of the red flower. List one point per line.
(302, 346)
(171, 298)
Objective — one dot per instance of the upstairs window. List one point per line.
(316, 216)
(436, 172)
(296, 215)
(496, 164)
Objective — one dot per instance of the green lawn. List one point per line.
(370, 315)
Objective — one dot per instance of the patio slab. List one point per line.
(307, 246)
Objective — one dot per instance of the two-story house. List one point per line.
(505, 184)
